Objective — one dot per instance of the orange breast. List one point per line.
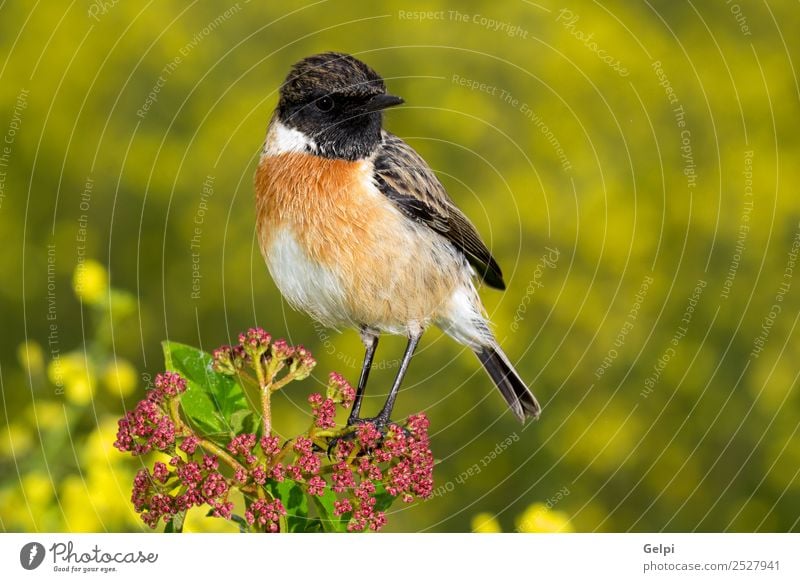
(391, 271)
(324, 201)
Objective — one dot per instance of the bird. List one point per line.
(357, 231)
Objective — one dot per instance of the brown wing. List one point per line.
(404, 177)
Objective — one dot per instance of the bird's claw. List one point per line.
(337, 439)
(380, 422)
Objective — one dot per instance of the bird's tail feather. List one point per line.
(522, 402)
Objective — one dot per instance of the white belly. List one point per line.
(304, 283)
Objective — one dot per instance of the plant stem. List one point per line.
(266, 410)
(249, 385)
(264, 378)
(222, 454)
(283, 452)
(282, 382)
(175, 415)
(182, 427)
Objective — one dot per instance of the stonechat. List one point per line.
(356, 229)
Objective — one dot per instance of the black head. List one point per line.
(336, 101)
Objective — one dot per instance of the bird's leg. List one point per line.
(383, 416)
(382, 420)
(370, 339)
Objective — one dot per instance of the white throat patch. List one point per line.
(285, 140)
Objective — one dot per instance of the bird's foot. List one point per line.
(380, 422)
(381, 425)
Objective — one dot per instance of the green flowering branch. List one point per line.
(219, 441)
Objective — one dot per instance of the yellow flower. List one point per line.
(98, 449)
(197, 522)
(80, 391)
(30, 357)
(90, 282)
(100, 500)
(46, 414)
(108, 477)
(539, 518)
(65, 367)
(120, 378)
(70, 371)
(110, 490)
(55, 372)
(80, 512)
(485, 523)
(17, 515)
(15, 441)
(123, 304)
(38, 489)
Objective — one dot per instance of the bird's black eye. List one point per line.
(325, 104)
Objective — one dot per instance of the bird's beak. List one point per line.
(381, 102)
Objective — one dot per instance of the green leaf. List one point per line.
(383, 499)
(175, 525)
(243, 421)
(212, 400)
(329, 521)
(294, 501)
(314, 525)
(237, 519)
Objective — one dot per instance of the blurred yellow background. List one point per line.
(632, 166)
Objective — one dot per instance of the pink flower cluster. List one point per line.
(148, 427)
(364, 513)
(257, 348)
(266, 514)
(144, 429)
(339, 391)
(306, 460)
(412, 475)
(228, 359)
(324, 410)
(366, 471)
(168, 385)
(243, 446)
(300, 362)
(185, 483)
(255, 338)
(270, 445)
(162, 494)
(400, 461)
